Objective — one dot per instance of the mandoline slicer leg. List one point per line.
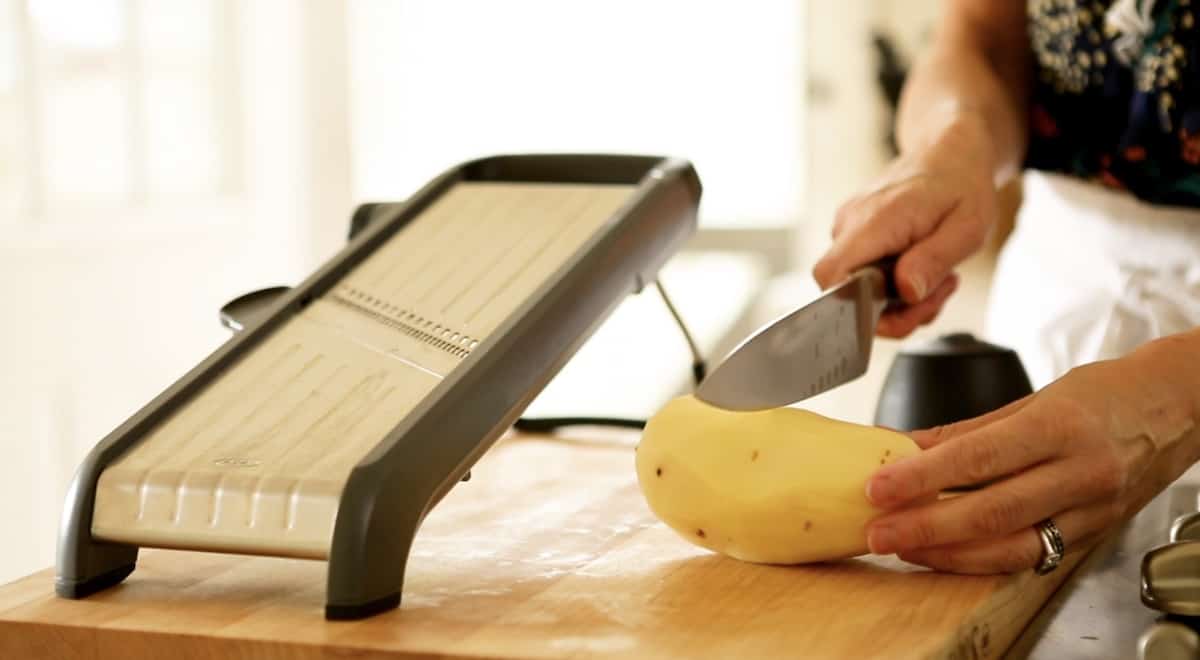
(376, 522)
(85, 564)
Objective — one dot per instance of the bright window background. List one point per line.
(13, 176)
(130, 210)
(436, 83)
(108, 105)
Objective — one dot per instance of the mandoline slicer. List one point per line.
(331, 425)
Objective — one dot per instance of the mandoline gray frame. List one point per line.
(398, 482)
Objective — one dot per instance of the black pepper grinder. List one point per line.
(952, 378)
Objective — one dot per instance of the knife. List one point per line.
(822, 345)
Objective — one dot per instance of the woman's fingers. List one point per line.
(926, 438)
(996, 450)
(995, 511)
(934, 257)
(901, 323)
(931, 229)
(885, 222)
(1017, 551)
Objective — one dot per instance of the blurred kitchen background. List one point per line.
(160, 157)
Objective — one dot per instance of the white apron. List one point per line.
(1090, 273)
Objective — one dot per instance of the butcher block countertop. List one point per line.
(548, 552)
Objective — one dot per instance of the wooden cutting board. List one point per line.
(548, 552)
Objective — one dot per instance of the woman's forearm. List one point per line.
(1169, 402)
(972, 86)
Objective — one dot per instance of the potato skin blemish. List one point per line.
(701, 534)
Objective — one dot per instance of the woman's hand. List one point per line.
(1088, 450)
(934, 206)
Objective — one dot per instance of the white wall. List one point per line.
(720, 83)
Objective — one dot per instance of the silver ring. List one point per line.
(1052, 546)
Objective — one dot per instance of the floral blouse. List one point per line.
(1117, 94)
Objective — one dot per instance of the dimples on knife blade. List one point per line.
(818, 347)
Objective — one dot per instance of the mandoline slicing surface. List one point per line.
(256, 461)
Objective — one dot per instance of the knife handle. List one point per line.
(887, 266)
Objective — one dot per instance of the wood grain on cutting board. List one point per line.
(548, 552)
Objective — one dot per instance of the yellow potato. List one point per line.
(780, 486)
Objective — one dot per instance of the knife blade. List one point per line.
(808, 351)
